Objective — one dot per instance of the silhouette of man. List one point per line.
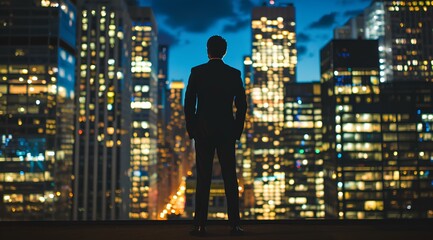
(212, 89)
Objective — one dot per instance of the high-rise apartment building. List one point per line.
(37, 78)
(103, 122)
(274, 59)
(144, 104)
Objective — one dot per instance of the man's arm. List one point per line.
(241, 106)
(190, 105)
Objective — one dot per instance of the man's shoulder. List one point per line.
(198, 67)
(232, 69)
(206, 67)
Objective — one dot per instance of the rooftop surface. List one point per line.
(267, 230)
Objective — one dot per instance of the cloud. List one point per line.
(354, 12)
(302, 50)
(236, 26)
(326, 21)
(245, 6)
(165, 37)
(197, 16)
(302, 37)
(192, 15)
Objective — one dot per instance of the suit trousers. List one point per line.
(205, 151)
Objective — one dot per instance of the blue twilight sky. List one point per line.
(187, 24)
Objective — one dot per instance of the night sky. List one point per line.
(187, 24)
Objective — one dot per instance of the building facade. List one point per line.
(351, 133)
(274, 59)
(37, 78)
(377, 140)
(144, 104)
(403, 29)
(103, 122)
(303, 163)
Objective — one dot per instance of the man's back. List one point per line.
(211, 90)
(214, 86)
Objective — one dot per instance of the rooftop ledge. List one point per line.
(391, 229)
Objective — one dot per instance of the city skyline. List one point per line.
(187, 35)
(93, 125)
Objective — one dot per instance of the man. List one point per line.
(212, 88)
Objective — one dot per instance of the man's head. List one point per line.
(216, 47)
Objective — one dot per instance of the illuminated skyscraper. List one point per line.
(103, 126)
(303, 163)
(406, 119)
(403, 29)
(37, 77)
(274, 60)
(351, 130)
(144, 105)
(408, 40)
(377, 137)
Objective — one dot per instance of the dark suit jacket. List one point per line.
(212, 88)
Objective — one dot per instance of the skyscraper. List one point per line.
(403, 29)
(37, 77)
(274, 60)
(144, 105)
(377, 140)
(103, 125)
(303, 161)
(351, 132)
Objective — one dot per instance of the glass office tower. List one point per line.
(37, 77)
(403, 29)
(144, 104)
(274, 60)
(377, 137)
(103, 124)
(303, 162)
(406, 118)
(408, 40)
(351, 131)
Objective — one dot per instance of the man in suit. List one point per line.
(212, 89)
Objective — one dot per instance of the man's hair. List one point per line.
(216, 46)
